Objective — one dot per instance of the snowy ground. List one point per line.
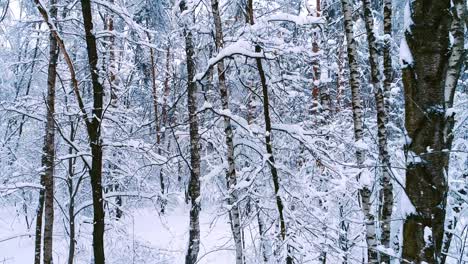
(141, 237)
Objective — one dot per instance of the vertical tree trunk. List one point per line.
(94, 132)
(71, 194)
(94, 126)
(430, 75)
(268, 142)
(158, 122)
(46, 196)
(49, 144)
(384, 157)
(364, 191)
(231, 171)
(387, 55)
(39, 216)
(458, 54)
(194, 183)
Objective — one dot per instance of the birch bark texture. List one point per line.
(364, 191)
(194, 182)
(430, 75)
(46, 195)
(382, 137)
(231, 170)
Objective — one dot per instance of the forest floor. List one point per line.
(141, 236)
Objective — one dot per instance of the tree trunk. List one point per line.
(46, 196)
(94, 132)
(364, 191)
(268, 142)
(430, 75)
(194, 183)
(231, 171)
(39, 216)
(49, 145)
(387, 55)
(384, 157)
(458, 54)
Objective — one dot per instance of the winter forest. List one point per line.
(233, 131)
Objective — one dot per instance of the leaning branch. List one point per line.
(45, 15)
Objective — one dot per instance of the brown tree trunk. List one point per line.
(426, 74)
(94, 132)
(194, 183)
(268, 141)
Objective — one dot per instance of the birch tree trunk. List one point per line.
(194, 183)
(431, 71)
(49, 144)
(384, 157)
(46, 196)
(387, 55)
(268, 141)
(231, 171)
(364, 191)
(457, 56)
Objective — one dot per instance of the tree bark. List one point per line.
(194, 183)
(39, 216)
(46, 195)
(387, 55)
(364, 191)
(457, 56)
(231, 171)
(268, 141)
(429, 81)
(93, 125)
(384, 157)
(94, 132)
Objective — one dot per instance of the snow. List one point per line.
(406, 58)
(427, 235)
(240, 47)
(299, 20)
(361, 145)
(413, 158)
(140, 229)
(406, 207)
(365, 178)
(407, 20)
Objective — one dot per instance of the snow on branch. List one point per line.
(240, 47)
(300, 20)
(7, 189)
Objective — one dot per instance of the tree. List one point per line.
(231, 178)
(384, 157)
(194, 182)
(431, 71)
(46, 195)
(364, 191)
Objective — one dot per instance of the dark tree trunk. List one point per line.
(94, 132)
(428, 95)
(39, 216)
(268, 141)
(194, 183)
